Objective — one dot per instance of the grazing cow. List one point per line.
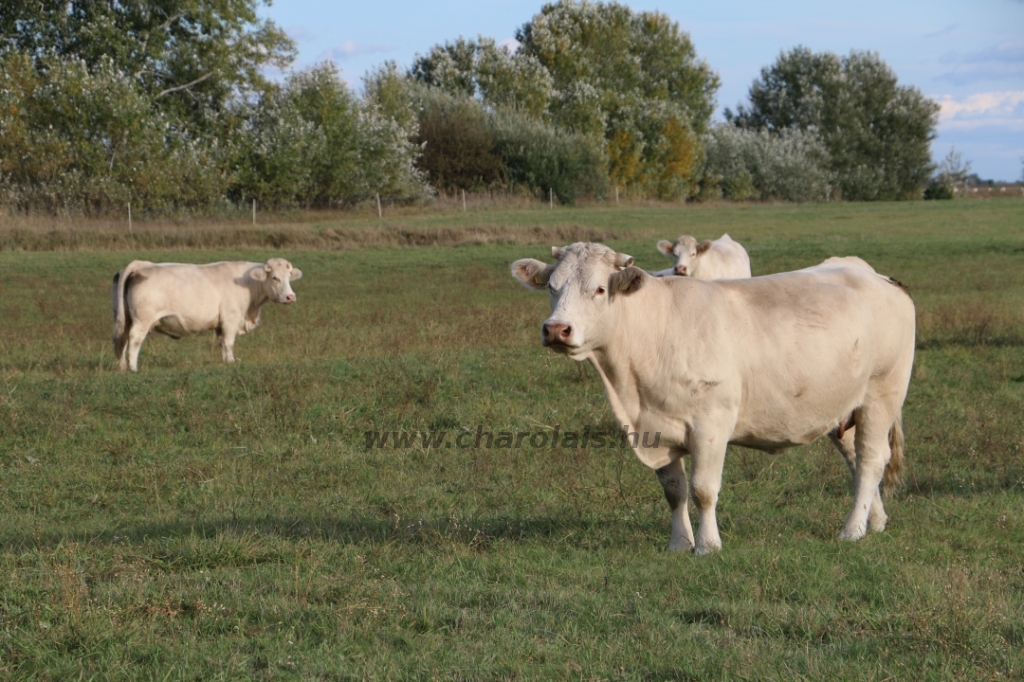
(719, 259)
(767, 363)
(180, 298)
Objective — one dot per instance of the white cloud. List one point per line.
(511, 44)
(300, 34)
(349, 49)
(983, 109)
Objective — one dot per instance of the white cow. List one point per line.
(768, 363)
(719, 259)
(180, 298)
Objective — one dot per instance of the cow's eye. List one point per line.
(600, 290)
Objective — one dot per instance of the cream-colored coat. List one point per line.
(768, 363)
(723, 258)
(178, 299)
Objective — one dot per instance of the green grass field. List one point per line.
(197, 521)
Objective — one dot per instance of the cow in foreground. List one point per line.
(719, 259)
(177, 299)
(766, 363)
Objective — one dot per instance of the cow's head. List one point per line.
(684, 251)
(277, 275)
(583, 284)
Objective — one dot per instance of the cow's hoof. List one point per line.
(877, 523)
(851, 535)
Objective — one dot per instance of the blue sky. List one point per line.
(968, 57)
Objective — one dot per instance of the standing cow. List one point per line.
(179, 298)
(768, 363)
(719, 259)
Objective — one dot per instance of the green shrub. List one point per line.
(544, 158)
(458, 146)
(790, 166)
(79, 141)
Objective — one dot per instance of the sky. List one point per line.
(968, 57)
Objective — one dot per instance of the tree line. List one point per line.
(166, 105)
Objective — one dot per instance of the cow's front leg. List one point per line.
(707, 448)
(673, 480)
(226, 339)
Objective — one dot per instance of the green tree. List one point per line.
(481, 69)
(636, 74)
(190, 56)
(312, 143)
(628, 56)
(75, 139)
(877, 133)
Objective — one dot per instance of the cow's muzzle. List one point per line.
(290, 298)
(555, 334)
(681, 270)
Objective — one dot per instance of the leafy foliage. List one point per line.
(877, 133)
(458, 146)
(74, 140)
(954, 175)
(790, 166)
(543, 158)
(189, 56)
(313, 143)
(598, 70)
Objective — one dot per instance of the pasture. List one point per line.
(198, 521)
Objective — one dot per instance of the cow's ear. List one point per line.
(665, 246)
(258, 273)
(623, 260)
(296, 274)
(532, 273)
(627, 281)
(703, 246)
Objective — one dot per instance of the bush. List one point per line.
(79, 141)
(458, 147)
(313, 143)
(790, 166)
(544, 158)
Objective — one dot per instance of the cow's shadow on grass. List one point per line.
(248, 534)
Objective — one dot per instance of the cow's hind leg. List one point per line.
(871, 442)
(846, 446)
(673, 480)
(136, 335)
(121, 346)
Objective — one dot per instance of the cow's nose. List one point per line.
(290, 298)
(680, 269)
(556, 332)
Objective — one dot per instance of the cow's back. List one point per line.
(191, 298)
(798, 347)
(726, 259)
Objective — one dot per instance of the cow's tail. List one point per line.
(894, 469)
(122, 324)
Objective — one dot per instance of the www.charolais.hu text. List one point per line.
(587, 437)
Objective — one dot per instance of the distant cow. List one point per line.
(719, 259)
(767, 363)
(179, 298)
